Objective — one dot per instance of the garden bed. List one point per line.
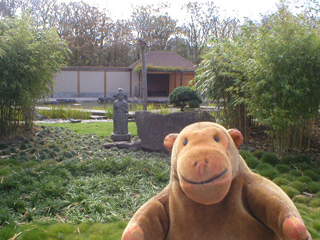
(56, 175)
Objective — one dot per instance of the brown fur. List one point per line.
(213, 195)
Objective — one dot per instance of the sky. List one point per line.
(121, 9)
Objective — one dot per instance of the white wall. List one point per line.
(117, 80)
(91, 83)
(66, 84)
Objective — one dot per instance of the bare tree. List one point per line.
(202, 20)
(153, 25)
(8, 8)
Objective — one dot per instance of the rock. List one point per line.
(75, 120)
(153, 128)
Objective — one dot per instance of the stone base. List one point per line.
(121, 138)
(123, 145)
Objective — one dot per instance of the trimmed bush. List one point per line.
(290, 177)
(283, 168)
(316, 225)
(314, 176)
(249, 158)
(183, 96)
(300, 186)
(302, 158)
(270, 158)
(295, 172)
(290, 191)
(245, 154)
(313, 187)
(304, 179)
(268, 173)
(301, 199)
(258, 153)
(315, 202)
(288, 159)
(264, 166)
(303, 166)
(281, 181)
(252, 162)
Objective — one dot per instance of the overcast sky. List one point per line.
(121, 9)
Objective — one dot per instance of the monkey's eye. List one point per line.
(185, 142)
(216, 139)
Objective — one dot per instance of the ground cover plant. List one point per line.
(64, 185)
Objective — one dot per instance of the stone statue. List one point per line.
(120, 118)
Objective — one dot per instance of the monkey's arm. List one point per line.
(274, 208)
(151, 221)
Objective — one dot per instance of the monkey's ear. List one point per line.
(237, 137)
(169, 141)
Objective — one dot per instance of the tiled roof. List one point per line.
(166, 59)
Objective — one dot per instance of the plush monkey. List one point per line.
(213, 195)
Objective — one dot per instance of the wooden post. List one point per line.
(143, 46)
(79, 88)
(105, 84)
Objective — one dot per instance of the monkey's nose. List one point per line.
(198, 163)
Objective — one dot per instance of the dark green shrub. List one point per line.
(303, 166)
(245, 154)
(249, 158)
(252, 162)
(264, 166)
(317, 170)
(258, 153)
(271, 174)
(301, 199)
(304, 179)
(290, 177)
(315, 202)
(266, 170)
(295, 172)
(283, 168)
(300, 186)
(270, 158)
(316, 225)
(302, 158)
(290, 191)
(288, 159)
(281, 181)
(313, 187)
(314, 176)
(183, 96)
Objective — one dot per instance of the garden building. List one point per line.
(165, 72)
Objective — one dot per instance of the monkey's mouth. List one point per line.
(207, 181)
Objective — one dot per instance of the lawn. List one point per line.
(101, 129)
(63, 184)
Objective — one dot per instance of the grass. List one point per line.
(63, 184)
(101, 129)
(63, 112)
